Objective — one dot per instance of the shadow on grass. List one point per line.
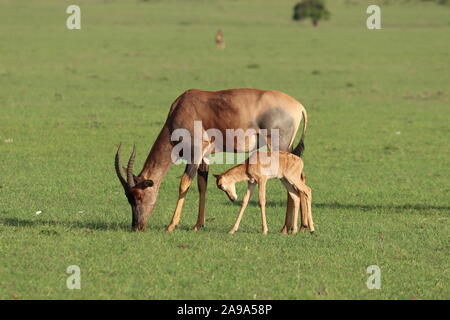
(362, 207)
(89, 225)
(110, 226)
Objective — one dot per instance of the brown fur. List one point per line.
(220, 41)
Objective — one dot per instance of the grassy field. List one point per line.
(377, 150)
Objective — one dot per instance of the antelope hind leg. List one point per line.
(262, 204)
(304, 211)
(288, 218)
(202, 182)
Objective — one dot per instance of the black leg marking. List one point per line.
(202, 171)
(190, 170)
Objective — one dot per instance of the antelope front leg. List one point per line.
(262, 204)
(185, 183)
(202, 183)
(247, 196)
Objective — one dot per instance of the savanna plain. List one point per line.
(377, 150)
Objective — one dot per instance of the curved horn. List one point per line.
(130, 177)
(119, 170)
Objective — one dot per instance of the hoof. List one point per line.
(197, 227)
(170, 228)
(284, 230)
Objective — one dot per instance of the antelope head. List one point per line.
(227, 185)
(138, 191)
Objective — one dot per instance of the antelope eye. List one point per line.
(147, 183)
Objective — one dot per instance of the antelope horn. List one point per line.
(119, 170)
(130, 177)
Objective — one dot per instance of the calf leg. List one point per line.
(245, 200)
(296, 209)
(291, 221)
(303, 205)
(290, 211)
(305, 194)
(310, 219)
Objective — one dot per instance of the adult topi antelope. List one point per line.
(243, 109)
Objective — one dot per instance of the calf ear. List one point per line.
(148, 183)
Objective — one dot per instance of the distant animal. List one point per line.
(220, 41)
(221, 110)
(280, 165)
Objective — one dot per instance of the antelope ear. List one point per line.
(148, 183)
(216, 175)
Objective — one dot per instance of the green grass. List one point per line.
(377, 150)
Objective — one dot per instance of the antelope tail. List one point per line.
(301, 145)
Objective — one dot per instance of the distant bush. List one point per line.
(442, 2)
(314, 9)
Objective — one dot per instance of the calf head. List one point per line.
(226, 185)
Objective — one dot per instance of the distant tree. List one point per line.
(443, 2)
(314, 9)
